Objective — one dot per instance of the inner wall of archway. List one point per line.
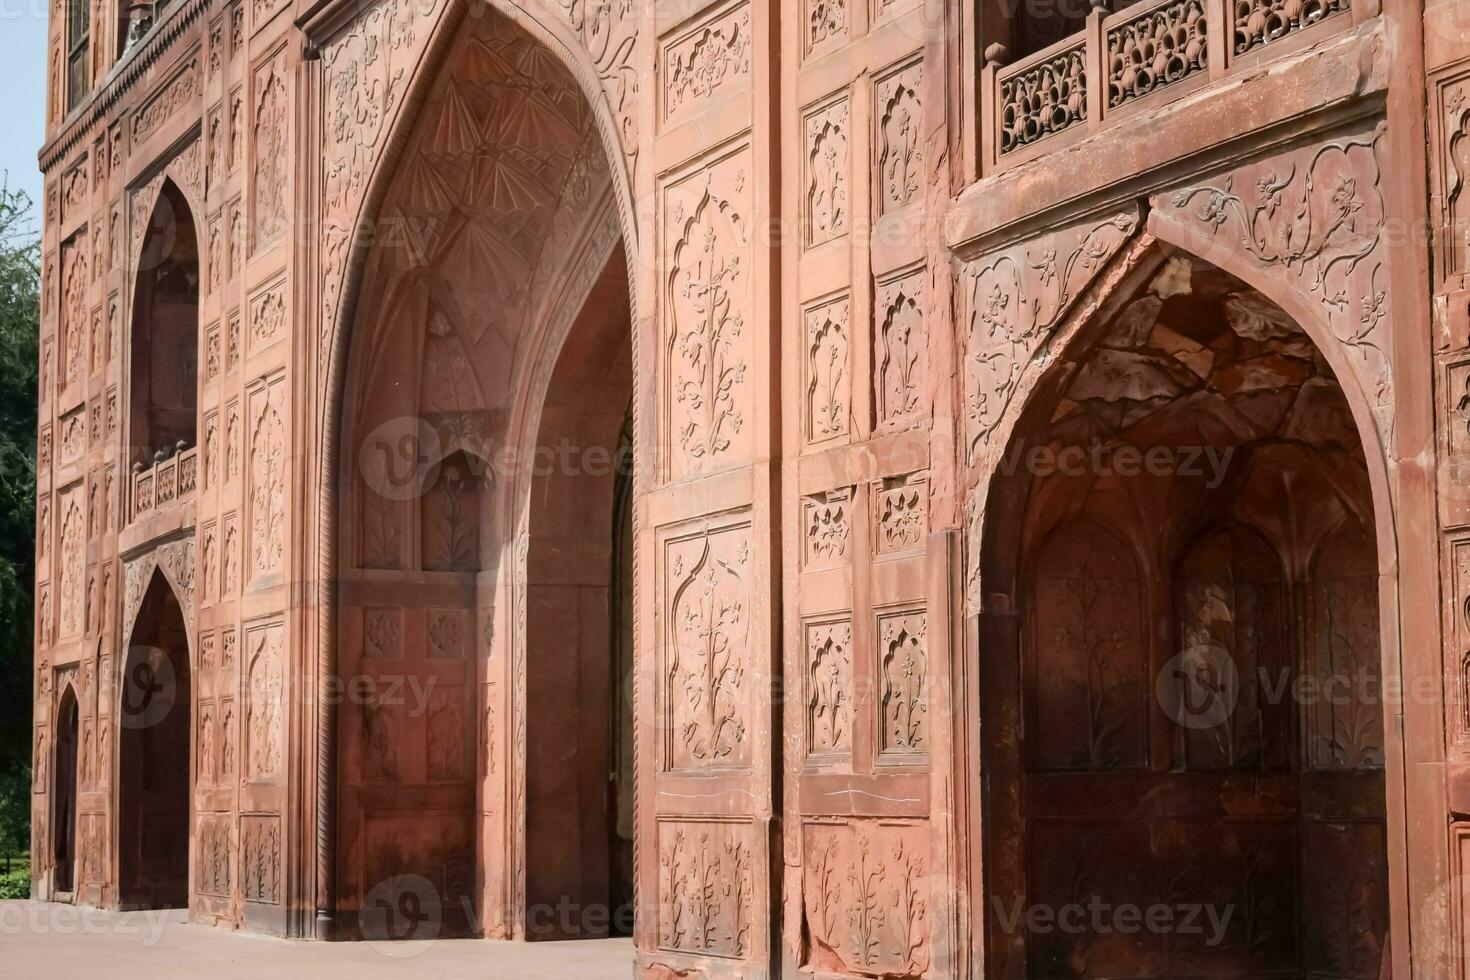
(497, 242)
(1181, 692)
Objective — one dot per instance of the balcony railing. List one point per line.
(166, 481)
(1145, 54)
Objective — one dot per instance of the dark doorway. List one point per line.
(64, 800)
(154, 757)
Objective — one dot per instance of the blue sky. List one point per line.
(22, 91)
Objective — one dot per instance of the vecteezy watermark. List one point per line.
(1199, 687)
(401, 916)
(60, 919)
(1098, 917)
(1207, 463)
(149, 687)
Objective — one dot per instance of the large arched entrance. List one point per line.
(1181, 698)
(154, 758)
(64, 797)
(487, 382)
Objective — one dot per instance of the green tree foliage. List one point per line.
(20, 290)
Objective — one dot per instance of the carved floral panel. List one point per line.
(828, 371)
(706, 888)
(707, 620)
(866, 898)
(266, 478)
(830, 695)
(900, 514)
(827, 528)
(707, 342)
(827, 172)
(900, 352)
(898, 140)
(265, 703)
(706, 59)
(903, 664)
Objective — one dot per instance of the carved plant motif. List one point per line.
(260, 859)
(706, 891)
(900, 338)
(898, 142)
(1016, 299)
(264, 689)
(828, 387)
(707, 297)
(446, 734)
(73, 562)
(380, 735)
(709, 619)
(904, 647)
(700, 62)
(827, 173)
(829, 687)
(272, 156)
(902, 514)
(827, 530)
(267, 487)
(826, 21)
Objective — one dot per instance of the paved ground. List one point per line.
(59, 942)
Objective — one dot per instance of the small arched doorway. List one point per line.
(1182, 722)
(578, 567)
(64, 797)
(163, 383)
(154, 758)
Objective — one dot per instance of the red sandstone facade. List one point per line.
(941, 408)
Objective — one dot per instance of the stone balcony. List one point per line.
(1141, 57)
(165, 482)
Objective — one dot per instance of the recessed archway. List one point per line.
(64, 796)
(1180, 654)
(163, 382)
(155, 763)
(504, 238)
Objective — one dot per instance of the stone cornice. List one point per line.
(120, 80)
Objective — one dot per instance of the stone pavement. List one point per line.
(58, 942)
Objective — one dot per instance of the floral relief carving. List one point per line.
(708, 296)
(74, 313)
(447, 633)
(827, 173)
(206, 751)
(73, 562)
(229, 737)
(1016, 298)
(901, 514)
(446, 734)
(1316, 216)
(383, 633)
(381, 725)
(176, 559)
(214, 855)
(267, 494)
(703, 60)
(260, 859)
(267, 317)
(1453, 150)
(866, 898)
(826, 20)
(272, 155)
(171, 98)
(900, 354)
(903, 646)
(706, 888)
(828, 378)
(897, 142)
(829, 700)
(263, 732)
(709, 650)
(232, 440)
(826, 526)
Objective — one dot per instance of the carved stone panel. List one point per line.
(827, 168)
(260, 858)
(900, 514)
(827, 368)
(706, 617)
(707, 59)
(900, 355)
(270, 146)
(898, 139)
(706, 882)
(828, 704)
(903, 664)
(707, 340)
(266, 478)
(866, 901)
(827, 528)
(265, 702)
